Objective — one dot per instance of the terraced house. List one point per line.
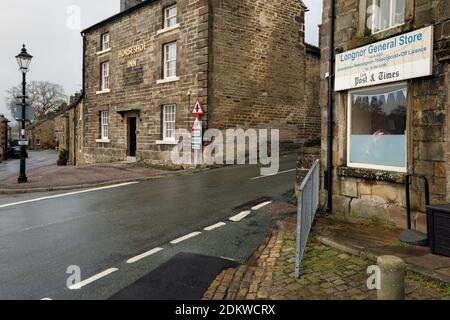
(246, 61)
(387, 114)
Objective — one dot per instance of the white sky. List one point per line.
(57, 49)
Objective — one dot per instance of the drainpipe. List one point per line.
(331, 60)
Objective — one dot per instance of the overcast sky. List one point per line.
(50, 30)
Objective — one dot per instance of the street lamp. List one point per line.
(24, 60)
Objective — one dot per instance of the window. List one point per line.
(105, 76)
(386, 14)
(170, 16)
(105, 41)
(169, 115)
(170, 60)
(377, 128)
(104, 125)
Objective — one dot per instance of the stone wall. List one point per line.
(259, 69)
(135, 91)
(381, 194)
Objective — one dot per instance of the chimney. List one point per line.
(127, 4)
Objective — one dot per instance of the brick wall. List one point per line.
(381, 194)
(259, 67)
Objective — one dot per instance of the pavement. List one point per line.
(36, 159)
(327, 273)
(119, 234)
(53, 177)
(373, 238)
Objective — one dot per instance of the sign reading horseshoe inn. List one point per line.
(403, 57)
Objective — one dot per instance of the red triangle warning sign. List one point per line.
(197, 125)
(198, 109)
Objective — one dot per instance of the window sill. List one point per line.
(99, 53)
(167, 80)
(103, 141)
(174, 27)
(166, 142)
(372, 174)
(103, 91)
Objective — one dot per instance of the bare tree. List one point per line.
(43, 97)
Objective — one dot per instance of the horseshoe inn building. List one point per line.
(246, 61)
(390, 109)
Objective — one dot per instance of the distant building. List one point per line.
(246, 62)
(4, 137)
(41, 133)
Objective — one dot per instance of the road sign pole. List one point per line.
(22, 176)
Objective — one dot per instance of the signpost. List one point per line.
(197, 131)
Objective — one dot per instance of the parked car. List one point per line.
(14, 152)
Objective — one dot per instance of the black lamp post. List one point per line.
(24, 60)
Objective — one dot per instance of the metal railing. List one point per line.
(308, 203)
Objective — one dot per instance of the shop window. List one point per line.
(377, 128)
(170, 60)
(385, 14)
(170, 16)
(169, 119)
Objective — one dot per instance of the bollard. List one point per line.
(392, 286)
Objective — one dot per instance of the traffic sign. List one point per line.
(198, 109)
(23, 143)
(197, 125)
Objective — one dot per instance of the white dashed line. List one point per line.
(66, 194)
(92, 279)
(215, 226)
(46, 299)
(144, 255)
(272, 175)
(240, 216)
(262, 205)
(189, 236)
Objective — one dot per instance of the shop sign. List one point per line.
(400, 58)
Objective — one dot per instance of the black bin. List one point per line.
(438, 220)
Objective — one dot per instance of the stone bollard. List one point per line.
(392, 286)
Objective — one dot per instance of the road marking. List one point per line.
(98, 276)
(66, 194)
(46, 299)
(215, 226)
(262, 205)
(240, 216)
(144, 255)
(189, 236)
(272, 175)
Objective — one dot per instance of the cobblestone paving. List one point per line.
(327, 275)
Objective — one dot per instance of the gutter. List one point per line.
(331, 76)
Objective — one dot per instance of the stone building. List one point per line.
(4, 130)
(41, 133)
(66, 125)
(245, 61)
(391, 100)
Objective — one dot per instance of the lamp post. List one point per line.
(24, 60)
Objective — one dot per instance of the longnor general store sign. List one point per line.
(403, 57)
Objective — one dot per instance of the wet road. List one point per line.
(35, 159)
(101, 229)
